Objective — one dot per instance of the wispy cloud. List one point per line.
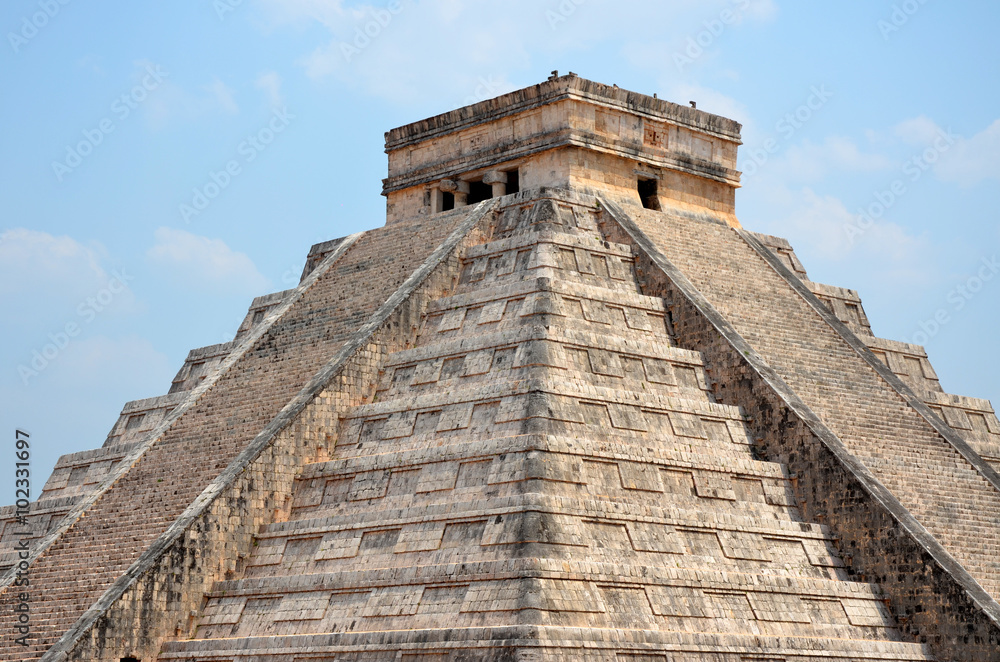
(708, 99)
(371, 46)
(91, 62)
(194, 260)
(45, 278)
(53, 288)
(270, 83)
(816, 222)
(31, 258)
(224, 96)
(175, 102)
(975, 159)
(807, 161)
(954, 158)
(916, 130)
(99, 358)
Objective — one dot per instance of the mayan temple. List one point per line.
(561, 407)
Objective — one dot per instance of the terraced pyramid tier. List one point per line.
(544, 473)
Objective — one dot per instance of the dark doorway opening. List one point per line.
(478, 191)
(647, 193)
(513, 182)
(447, 201)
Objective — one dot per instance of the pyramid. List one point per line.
(561, 407)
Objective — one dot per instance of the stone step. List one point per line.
(551, 288)
(78, 473)
(581, 258)
(468, 526)
(601, 448)
(909, 362)
(543, 643)
(139, 417)
(971, 418)
(845, 304)
(503, 410)
(577, 238)
(516, 585)
(520, 399)
(560, 332)
(626, 366)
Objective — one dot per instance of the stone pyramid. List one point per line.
(560, 407)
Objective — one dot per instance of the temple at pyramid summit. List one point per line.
(561, 407)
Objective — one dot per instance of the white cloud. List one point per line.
(761, 10)
(822, 226)
(956, 159)
(91, 62)
(73, 402)
(223, 96)
(172, 101)
(917, 130)
(807, 161)
(973, 160)
(196, 260)
(709, 100)
(843, 153)
(30, 259)
(95, 361)
(813, 219)
(44, 279)
(270, 83)
(93, 364)
(430, 49)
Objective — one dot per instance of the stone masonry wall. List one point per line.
(548, 131)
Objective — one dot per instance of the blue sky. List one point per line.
(119, 117)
